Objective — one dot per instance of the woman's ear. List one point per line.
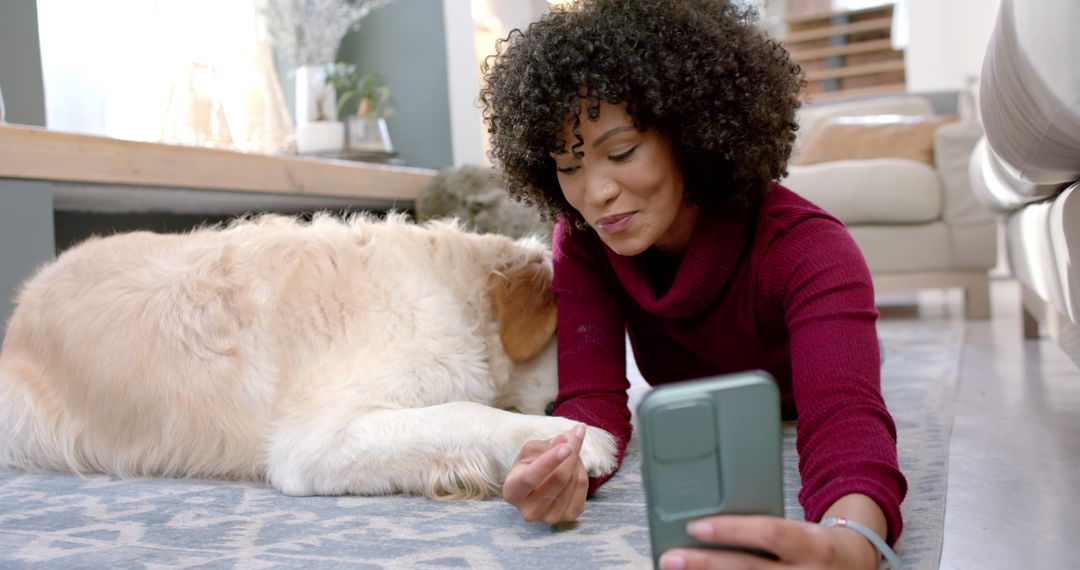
(525, 308)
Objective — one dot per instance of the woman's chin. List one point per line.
(624, 246)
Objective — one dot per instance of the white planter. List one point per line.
(320, 136)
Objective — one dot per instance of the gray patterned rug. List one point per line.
(64, 521)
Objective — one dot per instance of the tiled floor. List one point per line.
(1014, 459)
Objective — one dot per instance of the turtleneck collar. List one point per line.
(716, 245)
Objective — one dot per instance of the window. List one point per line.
(195, 72)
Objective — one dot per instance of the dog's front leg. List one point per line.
(453, 450)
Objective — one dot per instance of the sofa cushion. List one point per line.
(922, 248)
(873, 136)
(871, 191)
(810, 115)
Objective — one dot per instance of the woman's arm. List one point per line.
(846, 436)
(847, 441)
(591, 339)
(548, 481)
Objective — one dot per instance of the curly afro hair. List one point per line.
(698, 71)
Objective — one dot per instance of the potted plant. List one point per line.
(307, 33)
(364, 104)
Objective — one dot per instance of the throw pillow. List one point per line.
(873, 136)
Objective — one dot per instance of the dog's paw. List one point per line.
(599, 452)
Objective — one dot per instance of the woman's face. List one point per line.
(627, 185)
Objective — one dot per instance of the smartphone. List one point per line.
(710, 446)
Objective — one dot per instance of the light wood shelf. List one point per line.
(34, 153)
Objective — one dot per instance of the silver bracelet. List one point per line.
(890, 556)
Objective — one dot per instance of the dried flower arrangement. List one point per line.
(308, 32)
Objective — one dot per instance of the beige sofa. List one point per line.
(918, 224)
(1028, 166)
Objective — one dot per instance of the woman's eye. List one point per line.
(623, 155)
(566, 169)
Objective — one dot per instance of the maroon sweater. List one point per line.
(789, 294)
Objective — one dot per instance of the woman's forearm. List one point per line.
(864, 510)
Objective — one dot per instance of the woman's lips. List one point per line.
(616, 223)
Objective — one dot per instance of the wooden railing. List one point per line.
(846, 53)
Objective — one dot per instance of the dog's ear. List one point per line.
(525, 308)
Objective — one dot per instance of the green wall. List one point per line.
(20, 63)
(405, 42)
(26, 209)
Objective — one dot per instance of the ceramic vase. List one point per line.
(317, 129)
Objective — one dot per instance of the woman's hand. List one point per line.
(548, 481)
(795, 543)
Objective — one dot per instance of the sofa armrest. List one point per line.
(998, 187)
(1030, 91)
(953, 147)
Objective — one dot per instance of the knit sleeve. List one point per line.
(591, 342)
(846, 436)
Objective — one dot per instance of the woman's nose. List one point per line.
(602, 192)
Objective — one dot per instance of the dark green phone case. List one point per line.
(709, 446)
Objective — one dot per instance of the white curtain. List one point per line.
(194, 72)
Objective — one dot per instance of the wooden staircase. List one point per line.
(846, 53)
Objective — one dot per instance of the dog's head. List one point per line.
(521, 321)
(508, 282)
(525, 310)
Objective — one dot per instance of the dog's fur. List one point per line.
(356, 356)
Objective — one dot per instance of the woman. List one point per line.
(653, 131)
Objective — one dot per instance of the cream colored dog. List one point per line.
(360, 356)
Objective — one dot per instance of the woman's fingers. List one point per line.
(528, 476)
(704, 559)
(524, 478)
(580, 492)
(788, 540)
(515, 487)
(572, 482)
(555, 511)
(550, 499)
(547, 501)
